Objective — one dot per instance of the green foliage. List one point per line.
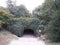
(36, 12)
(53, 30)
(24, 23)
(5, 17)
(47, 10)
(51, 12)
(49, 15)
(17, 11)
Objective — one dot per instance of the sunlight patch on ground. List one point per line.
(27, 41)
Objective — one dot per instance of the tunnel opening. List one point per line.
(28, 32)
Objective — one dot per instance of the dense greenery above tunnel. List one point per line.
(19, 24)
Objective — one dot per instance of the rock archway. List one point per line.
(22, 26)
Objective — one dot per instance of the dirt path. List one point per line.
(6, 37)
(27, 40)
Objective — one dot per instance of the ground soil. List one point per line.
(6, 37)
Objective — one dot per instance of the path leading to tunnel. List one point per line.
(27, 40)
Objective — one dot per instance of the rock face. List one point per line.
(22, 24)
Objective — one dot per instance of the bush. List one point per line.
(53, 31)
(5, 17)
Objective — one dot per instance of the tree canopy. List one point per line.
(50, 14)
(5, 16)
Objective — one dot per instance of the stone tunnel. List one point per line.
(25, 26)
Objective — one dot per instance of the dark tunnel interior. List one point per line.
(28, 32)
